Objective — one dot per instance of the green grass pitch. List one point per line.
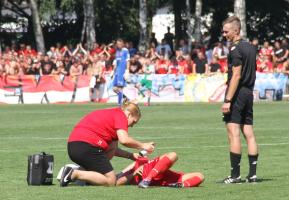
(194, 131)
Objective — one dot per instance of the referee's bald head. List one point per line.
(234, 21)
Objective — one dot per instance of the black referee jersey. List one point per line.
(243, 53)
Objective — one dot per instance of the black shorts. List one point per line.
(241, 108)
(89, 157)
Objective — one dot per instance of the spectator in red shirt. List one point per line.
(173, 67)
(264, 64)
(21, 49)
(185, 64)
(96, 49)
(111, 50)
(266, 50)
(162, 65)
(29, 51)
(93, 142)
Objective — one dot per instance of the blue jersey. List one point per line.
(122, 57)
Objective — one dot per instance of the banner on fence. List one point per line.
(164, 88)
(270, 82)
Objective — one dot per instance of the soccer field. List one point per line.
(194, 131)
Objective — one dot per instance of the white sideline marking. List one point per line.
(171, 147)
(205, 128)
(37, 138)
(137, 137)
(177, 128)
(222, 146)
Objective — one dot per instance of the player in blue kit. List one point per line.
(121, 60)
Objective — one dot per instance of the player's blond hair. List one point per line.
(233, 20)
(132, 108)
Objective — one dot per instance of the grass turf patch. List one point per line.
(195, 131)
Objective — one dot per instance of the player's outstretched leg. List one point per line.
(189, 180)
(164, 163)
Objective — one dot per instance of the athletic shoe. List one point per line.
(176, 185)
(73, 166)
(144, 184)
(231, 180)
(66, 176)
(252, 179)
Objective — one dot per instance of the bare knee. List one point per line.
(233, 135)
(249, 136)
(233, 130)
(115, 89)
(172, 156)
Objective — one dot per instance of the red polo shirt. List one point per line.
(99, 127)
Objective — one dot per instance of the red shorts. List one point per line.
(163, 179)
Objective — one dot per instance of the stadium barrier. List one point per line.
(30, 89)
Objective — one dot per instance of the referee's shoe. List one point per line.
(66, 176)
(231, 180)
(252, 179)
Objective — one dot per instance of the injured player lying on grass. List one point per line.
(156, 172)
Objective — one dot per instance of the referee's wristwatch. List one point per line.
(227, 101)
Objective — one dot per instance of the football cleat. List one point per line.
(231, 180)
(252, 179)
(66, 176)
(144, 184)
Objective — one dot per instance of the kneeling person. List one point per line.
(94, 141)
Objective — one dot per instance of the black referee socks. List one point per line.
(252, 164)
(235, 164)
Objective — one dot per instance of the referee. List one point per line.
(238, 104)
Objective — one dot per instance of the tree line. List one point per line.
(87, 21)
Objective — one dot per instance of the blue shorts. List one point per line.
(118, 81)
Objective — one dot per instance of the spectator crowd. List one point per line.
(167, 57)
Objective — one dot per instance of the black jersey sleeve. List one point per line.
(236, 56)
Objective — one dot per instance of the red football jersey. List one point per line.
(99, 127)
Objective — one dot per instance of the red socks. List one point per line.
(162, 165)
(193, 182)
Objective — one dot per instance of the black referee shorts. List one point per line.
(89, 157)
(241, 108)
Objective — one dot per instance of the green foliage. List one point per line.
(267, 20)
(69, 5)
(47, 9)
(119, 18)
